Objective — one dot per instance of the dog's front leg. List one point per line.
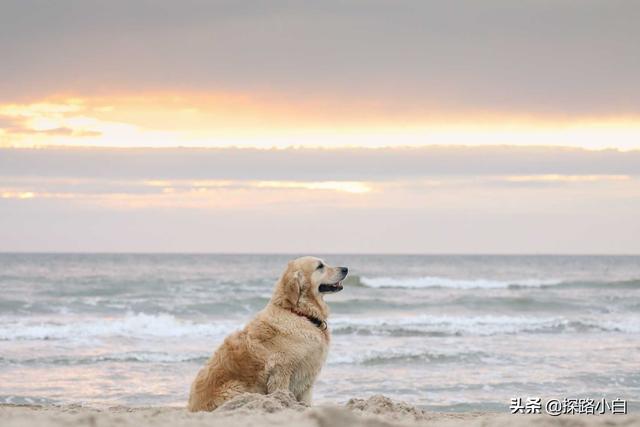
(305, 397)
(278, 377)
(278, 380)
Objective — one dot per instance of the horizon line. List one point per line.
(302, 147)
(530, 254)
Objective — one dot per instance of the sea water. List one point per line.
(442, 332)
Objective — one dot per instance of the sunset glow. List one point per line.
(171, 120)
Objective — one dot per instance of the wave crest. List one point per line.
(139, 326)
(446, 282)
(440, 326)
(391, 356)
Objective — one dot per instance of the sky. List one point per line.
(317, 127)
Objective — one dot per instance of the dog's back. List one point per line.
(233, 369)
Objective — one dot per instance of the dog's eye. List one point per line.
(321, 265)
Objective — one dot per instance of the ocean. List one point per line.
(447, 333)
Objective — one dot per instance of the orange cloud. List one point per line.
(223, 120)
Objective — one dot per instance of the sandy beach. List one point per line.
(282, 409)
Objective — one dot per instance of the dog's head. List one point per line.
(304, 283)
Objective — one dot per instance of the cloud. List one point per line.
(8, 124)
(430, 177)
(472, 215)
(344, 164)
(561, 58)
(245, 120)
(430, 199)
(57, 131)
(27, 122)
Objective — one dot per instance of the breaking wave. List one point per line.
(139, 326)
(428, 325)
(445, 282)
(140, 356)
(167, 327)
(398, 356)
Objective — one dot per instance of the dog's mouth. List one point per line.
(327, 288)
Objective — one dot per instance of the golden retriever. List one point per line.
(282, 348)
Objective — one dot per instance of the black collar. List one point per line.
(321, 324)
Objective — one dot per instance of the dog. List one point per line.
(282, 348)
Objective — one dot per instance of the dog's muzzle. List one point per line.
(327, 288)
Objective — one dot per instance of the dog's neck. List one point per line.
(320, 324)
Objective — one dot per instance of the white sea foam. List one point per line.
(628, 324)
(164, 326)
(445, 282)
(143, 356)
(344, 355)
(132, 326)
(131, 356)
(477, 325)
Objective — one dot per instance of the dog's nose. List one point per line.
(344, 270)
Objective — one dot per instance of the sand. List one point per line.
(281, 409)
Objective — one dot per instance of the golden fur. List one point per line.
(278, 349)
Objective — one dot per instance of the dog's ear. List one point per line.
(288, 289)
(292, 285)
